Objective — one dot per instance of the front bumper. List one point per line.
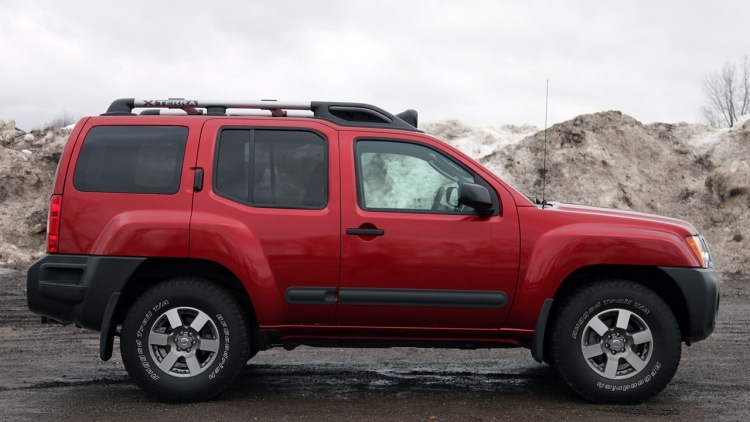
(700, 288)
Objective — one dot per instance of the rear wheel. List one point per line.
(185, 340)
(616, 342)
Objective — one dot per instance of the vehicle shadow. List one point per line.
(330, 381)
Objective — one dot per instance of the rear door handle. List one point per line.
(198, 180)
(365, 232)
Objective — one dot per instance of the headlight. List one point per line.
(700, 249)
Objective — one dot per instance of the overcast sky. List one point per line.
(482, 62)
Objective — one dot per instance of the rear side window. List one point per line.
(272, 168)
(131, 159)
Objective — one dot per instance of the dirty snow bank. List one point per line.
(609, 159)
(27, 167)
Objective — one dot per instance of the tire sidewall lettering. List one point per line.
(141, 348)
(631, 385)
(604, 305)
(581, 322)
(225, 354)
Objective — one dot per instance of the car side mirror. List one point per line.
(475, 196)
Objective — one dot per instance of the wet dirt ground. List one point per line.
(52, 372)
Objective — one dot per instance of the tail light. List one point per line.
(53, 224)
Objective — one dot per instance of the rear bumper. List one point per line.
(77, 288)
(700, 288)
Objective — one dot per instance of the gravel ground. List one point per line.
(52, 372)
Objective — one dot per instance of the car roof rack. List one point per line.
(342, 113)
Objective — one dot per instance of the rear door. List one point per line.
(413, 261)
(268, 209)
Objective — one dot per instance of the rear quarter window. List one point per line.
(131, 159)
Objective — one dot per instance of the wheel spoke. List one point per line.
(199, 321)
(193, 365)
(635, 362)
(209, 345)
(610, 371)
(623, 318)
(642, 337)
(157, 339)
(168, 362)
(175, 320)
(592, 351)
(598, 326)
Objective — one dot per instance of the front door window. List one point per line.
(399, 176)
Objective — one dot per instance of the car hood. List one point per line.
(584, 213)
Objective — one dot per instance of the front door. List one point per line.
(413, 259)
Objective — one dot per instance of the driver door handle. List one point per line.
(365, 232)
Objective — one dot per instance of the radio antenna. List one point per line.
(544, 159)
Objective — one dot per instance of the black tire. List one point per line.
(185, 340)
(616, 342)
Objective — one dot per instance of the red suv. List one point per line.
(200, 237)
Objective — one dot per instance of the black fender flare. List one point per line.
(537, 341)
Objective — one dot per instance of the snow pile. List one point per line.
(478, 142)
(27, 168)
(608, 159)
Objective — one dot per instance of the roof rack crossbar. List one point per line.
(260, 105)
(126, 105)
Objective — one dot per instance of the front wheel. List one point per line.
(616, 342)
(185, 340)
